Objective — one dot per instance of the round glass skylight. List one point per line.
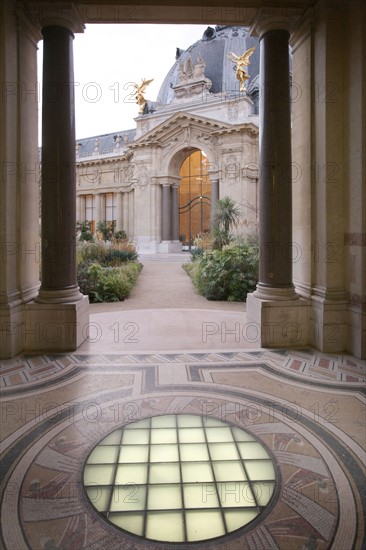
(179, 478)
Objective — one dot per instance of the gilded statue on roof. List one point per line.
(241, 61)
(140, 93)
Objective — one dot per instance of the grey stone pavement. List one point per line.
(165, 313)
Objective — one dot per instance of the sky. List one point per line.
(107, 58)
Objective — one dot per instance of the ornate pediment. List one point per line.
(181, 127)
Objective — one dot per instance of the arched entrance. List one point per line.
(194, 198)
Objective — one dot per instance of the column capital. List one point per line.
(60, 14)
(28, 23)
(166, 181)
(213, 175)
(176, 182)
(301, 29)
(269, 19)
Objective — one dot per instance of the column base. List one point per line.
(329, 330)
(274, 294)
(64, 296)
(56, 327)
(166, 247)
(11, 324)
(356, 334)
(282, 322)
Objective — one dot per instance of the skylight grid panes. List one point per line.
(165, 497)
(169, 523)
(179, 478)
(99, 497)
(222, 451)
(249, 450)
(164, 453)
(193, 451)
(167, 435)
(136, 437)
(132, 522)
(133, 453)
(235, 494)
(216, 435)
(197, 472)
(128, 497)
(165, 473)
(104, 454)
(131, 473)
(99, 474)
(229, 471)
(192, 435)
(260, 469)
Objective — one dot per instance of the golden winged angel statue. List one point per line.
(139, 93)
(241, 62)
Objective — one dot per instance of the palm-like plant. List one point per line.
(226, 217)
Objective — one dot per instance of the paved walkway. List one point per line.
(163, 284)
(165, 313)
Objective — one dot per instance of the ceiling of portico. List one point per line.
(227, 12)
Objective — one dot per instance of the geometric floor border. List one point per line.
(320, 502)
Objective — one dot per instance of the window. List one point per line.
(89, 211)
(194, 198)
(110, 207)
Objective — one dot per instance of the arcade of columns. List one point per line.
(275, 306)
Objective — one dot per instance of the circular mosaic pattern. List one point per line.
(179, 478)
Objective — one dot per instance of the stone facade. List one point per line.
(136, 177)
(131, 174)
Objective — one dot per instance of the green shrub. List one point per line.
(115, 257)
(227, 274)
(106, 255)
(225, 218)
(113, 286)
(107, 284)
(84, 228)
(106, 229)
(90, 252)
(119, 236)
(196, 253)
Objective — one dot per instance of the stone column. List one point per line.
(169, 214)
(119, 211)
(97, 209)
(131, 213)
(125, 212)
(19, 182)
(58, 281)
(275, 184)
(281, 317)
(58, 318)
(175, 211)
(80, 208)
(166, 229)
(215, 193)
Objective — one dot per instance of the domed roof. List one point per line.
(214, 48)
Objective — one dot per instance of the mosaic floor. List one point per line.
(306, 407)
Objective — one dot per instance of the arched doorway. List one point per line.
(194, 198)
